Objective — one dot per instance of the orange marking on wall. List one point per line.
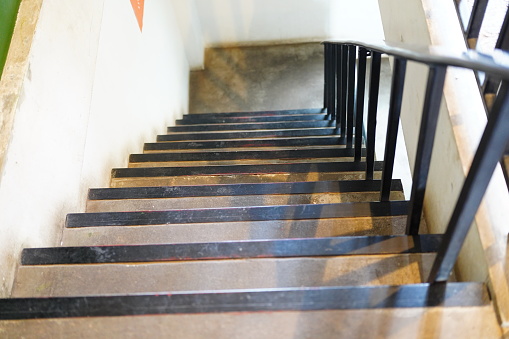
(138, 7)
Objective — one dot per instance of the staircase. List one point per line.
(242, 225)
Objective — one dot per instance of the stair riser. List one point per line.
(252, 126)
(238, 178)
(245, 155)
(252, 144)
(419, 323)
(191, 120)
(248, 134)
(81, 280)
(232, 201)
(235, 162)
(233, 231)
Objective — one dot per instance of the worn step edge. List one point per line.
(310, 187)
(260, 113)
(252, 125)
(331, 167)
(285, 299)
(189, 120)
(236, 214)
(232, 250)
(248, 134)
(287, 142)
(244, 155)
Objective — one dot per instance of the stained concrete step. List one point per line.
(232, 274)
(285, 248)
(249, 134)
(243, 154)
(240, 214)
(252, 126)
(257, 113)
(193, 120)
(455, 310)
(233, 231)
(260, 143)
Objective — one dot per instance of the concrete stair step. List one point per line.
(233, 231)
(240, 214)
(253, 126)
(264, 143)
(284, 248)
(190, 119)
(209, 275)
(249, 134)
(194, 163)
(257, 113)
(242, 154)
(459, 310)
(231, 174)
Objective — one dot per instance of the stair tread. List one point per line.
(252, 126)
(248, 134)
(322, 167)
(260, 113)
(193, 120)
(237, 214)
(239, 189)
(334, 246)
(301, 299)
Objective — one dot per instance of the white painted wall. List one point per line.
(95, 90)
(227, 22)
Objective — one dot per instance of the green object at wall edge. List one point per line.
(8, 14)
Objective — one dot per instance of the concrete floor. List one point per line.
(279, 77)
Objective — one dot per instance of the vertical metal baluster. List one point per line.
(434, 90)
(339, 82)
(326, 77)
(344, 91)
(334, 71)
(398, 83)
(374, 85)
(330, 82)
(352, 58)
(475, 22)
(359, 110)
(487, 156)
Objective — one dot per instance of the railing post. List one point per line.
(489, 152)
(359, 110)
(352, 60)
(398, 83)
(342, 91)
(374, 85)
(431, 109)
(326, 76)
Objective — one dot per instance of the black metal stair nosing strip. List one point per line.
(238, 214)
(287, 248)
(260, 113)
(326, 141)
(245, 155)
(291, 299)
(157, 172)
(309, 187)
(189, 120)
(222, 135)
(252, 126)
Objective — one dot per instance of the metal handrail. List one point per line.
(344, 103)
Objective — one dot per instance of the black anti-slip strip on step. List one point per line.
(309, 187)
(238, 214)
(232, 250)
(249, 134)
(154, 172)
(190, 120)
(259, 113)
(299, 142)
(295, 299)
(245, 155)
(250, 126)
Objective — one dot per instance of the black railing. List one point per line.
(345, 102)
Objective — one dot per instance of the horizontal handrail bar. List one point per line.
(496, 62)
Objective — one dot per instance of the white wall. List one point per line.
(95, 90)
(232, 21)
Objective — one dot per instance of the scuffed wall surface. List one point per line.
(94, 89)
